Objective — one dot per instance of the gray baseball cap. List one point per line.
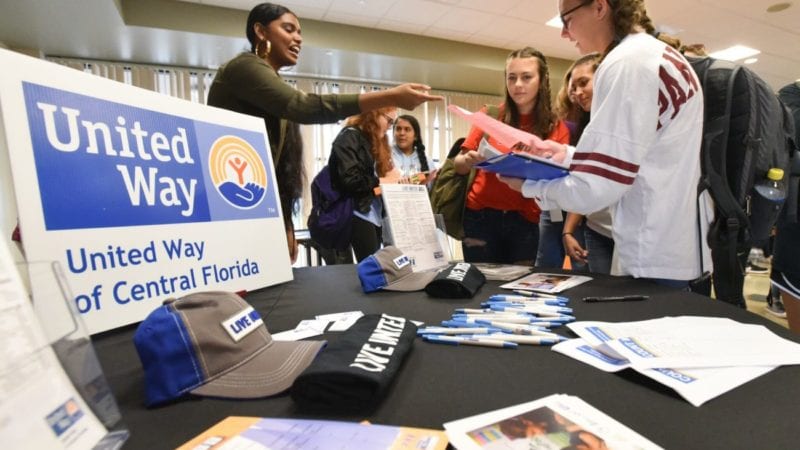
(215, 344)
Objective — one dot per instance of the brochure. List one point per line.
(551, 423)
(550, 283)
(516, 164)
(606, 346)
(255, 433)
(502, 272)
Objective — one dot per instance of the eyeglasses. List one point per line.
(563, 15)
(389, 119)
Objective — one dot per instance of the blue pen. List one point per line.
(461, 323)
(532, 309)
(529, 340)
(522, 298)
(472, 310)
(538, 301)
(540, 295)
(456, 340)
(459, 330)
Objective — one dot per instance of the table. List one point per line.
(441, 383)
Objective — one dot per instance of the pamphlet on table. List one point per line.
(699, 357)
(502, 272)
(550, 283)
(251, 433)
(551, 423)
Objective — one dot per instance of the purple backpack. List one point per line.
(330, 221)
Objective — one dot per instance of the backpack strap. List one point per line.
(725, 232)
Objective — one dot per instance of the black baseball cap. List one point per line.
(458, 280)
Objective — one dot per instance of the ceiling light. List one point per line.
(750, 60)
(735, 53)
(555, 22)
(778, 7)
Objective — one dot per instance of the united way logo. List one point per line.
(237, 172)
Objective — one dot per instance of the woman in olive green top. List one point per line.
(250, 84)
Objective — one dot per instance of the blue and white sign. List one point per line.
(140, 196)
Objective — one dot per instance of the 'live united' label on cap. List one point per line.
(242, 323)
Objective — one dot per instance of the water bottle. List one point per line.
(767, 202)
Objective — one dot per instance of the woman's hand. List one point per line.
(548, 149)
(392, 177)
(573, 248)
(513, 183)
(410, 95)
(465, 161)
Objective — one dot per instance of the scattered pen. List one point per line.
(529, 340)
(453, 340)
(621, 298)
(462, 330)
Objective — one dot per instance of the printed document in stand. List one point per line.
(551, 423)
(40, 407)
(255, 433)
(516, 164)
(412, 226)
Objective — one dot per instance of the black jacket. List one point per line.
(353, 168)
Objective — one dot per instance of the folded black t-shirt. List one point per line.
(354, 371)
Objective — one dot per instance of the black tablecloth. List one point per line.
(440, 383)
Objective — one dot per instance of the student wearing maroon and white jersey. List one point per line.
(640, 154)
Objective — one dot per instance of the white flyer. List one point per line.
(40, 407)
(412, 226)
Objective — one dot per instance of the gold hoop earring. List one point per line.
(263, 48)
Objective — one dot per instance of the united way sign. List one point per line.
(138, 195)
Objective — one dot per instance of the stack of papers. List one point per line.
(699, 357)
(551, 423)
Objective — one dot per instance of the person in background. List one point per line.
(551, 223)
(640, 152)
(784, 299)
(599, 244)
(360, 160)
(408, 151)
(250, 84)
(500, 226)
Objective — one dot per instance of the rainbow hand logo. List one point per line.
(237, 172)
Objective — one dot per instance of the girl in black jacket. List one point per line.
(360, 160)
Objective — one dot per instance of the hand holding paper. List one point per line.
(531, 158)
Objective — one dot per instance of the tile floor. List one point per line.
(756, 287)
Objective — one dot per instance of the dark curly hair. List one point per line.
(263, 13)
(419, 147)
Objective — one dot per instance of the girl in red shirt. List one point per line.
(500, 225)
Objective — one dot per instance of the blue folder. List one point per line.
(519, 165)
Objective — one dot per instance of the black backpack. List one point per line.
(746, 131)
(331, 217)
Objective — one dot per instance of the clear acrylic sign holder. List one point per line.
(67, 336)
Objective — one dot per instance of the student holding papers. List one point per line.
(640, 152)
(500, 226)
